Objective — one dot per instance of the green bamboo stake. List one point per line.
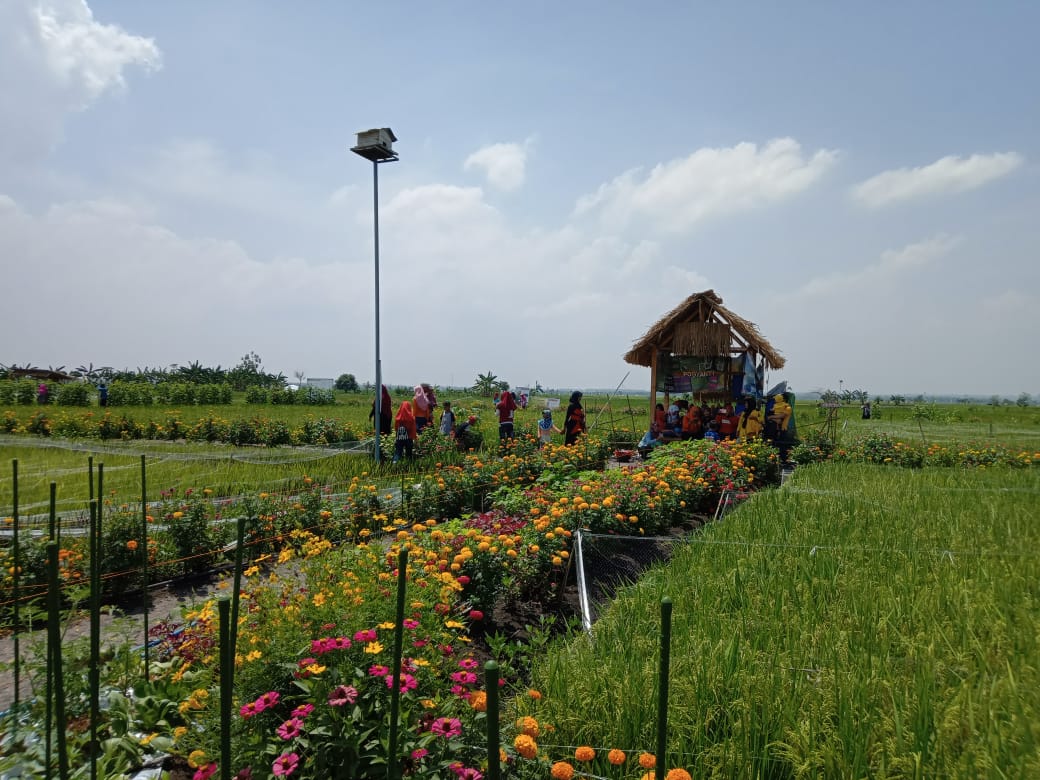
(17, 595)
(227, 662)
(54, 641)
(237, 587)
(144, 563)
(662, 684)
(491, 684)
(94, 674)
(52, 516)
(395, 691)
(90, 477)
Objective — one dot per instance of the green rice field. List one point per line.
(860, 621)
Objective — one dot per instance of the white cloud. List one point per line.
(893, 264)
(55, 58)
(946, 175)
(710, 182)
(502, 164)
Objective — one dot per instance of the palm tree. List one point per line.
(486, 384)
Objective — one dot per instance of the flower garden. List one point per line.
(314, 691)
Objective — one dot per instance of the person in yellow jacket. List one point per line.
(751, 422)
(781, 415)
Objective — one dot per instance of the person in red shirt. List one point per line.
(574, 421)
(506, 405)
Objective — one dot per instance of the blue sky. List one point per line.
(860, 182)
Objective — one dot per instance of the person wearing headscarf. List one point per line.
(546, 428)
(386, 413)
(750, 426)
(421, 408)
(506, 405)
(404, 424)
(574, 422)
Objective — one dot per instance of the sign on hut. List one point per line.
(702, 348)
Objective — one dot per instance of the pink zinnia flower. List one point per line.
(269, 699)
(466, 678)
(205, 772)
(409, 623)
(378, 670)
(285, 764)
(291, 728)
(446, 727)
(468, 663)
(304, 662)
(367, 635)
(249, 710)
(343, 694)
(303, 711)
(419, 753)
(408, 683)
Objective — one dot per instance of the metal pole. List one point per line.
(227, 662)
(144, 562)
(94, 673)
(379, 371)
(17, 590)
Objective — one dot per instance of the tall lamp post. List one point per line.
(377, 145)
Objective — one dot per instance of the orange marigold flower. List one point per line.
(528, 725)
(132, 544)
(677, 774)
(561, 770)
(478, 701)
(536, 695)
(525, 746)
(585, 753)
(647, 760)
(616, 757)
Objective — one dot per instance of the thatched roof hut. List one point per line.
(701, 340)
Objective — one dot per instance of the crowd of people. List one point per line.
(747, 419)
(419, 411)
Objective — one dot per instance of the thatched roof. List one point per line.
(702, 325)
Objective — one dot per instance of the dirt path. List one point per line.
(166, 602)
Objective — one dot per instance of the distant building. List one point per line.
(322, 383)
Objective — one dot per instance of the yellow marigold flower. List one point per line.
(316, 668)
(318, 600)
(285, 555)
(677, 774)
(478, 701)
(373, 648)
(585, 753)
(561, 770)
(196, 758)
(647, 760)
(253, 655)
(616, 757)
(179, 732)
(388, 625)
(528, 725)
(147, 738)
(525, 746)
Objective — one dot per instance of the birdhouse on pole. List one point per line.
(376, 144)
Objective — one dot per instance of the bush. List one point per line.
(283, 396)
(25, 392)
(7, 388)
(73, 394)
(130, 394)
(256, 395)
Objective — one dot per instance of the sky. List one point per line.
(860, 181)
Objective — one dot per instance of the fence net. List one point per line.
(605, 563)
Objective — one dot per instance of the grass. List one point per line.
(858, 622)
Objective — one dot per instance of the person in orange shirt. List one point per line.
(404, 424)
